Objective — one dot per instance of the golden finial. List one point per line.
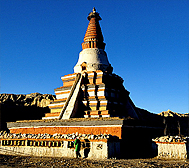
(94, 14)
(94, 10)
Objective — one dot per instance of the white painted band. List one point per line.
(68, 126)
(66, 77)
(57, 104)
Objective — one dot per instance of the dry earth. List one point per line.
(44, 162)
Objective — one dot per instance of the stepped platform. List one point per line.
(132, 134)
(96, 126)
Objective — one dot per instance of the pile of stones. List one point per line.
(5, 135)
(171, 139)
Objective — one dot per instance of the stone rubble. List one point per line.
(5, 135)
(171, 139)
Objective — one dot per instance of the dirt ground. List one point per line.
(42, 162)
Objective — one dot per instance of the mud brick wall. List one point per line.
(170, 150)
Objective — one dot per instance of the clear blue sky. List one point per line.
(146, 42)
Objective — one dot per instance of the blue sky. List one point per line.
(146, 43)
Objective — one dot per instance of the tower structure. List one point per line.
(92, 90)
(97, 98)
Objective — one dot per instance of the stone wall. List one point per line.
(172, 150)
(172, 147)
(96, 150)
(57, 145)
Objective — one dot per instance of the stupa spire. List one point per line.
(93, 36)
(93, 57)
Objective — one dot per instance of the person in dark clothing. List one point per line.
(77, 144)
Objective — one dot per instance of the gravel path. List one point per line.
(42, 162)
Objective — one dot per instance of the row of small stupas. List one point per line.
(92, 90)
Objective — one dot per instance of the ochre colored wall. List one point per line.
(115, 131)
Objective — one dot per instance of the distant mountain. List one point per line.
(170, 113)
(32, 99)
(172, 123)
(15, 107)
(175, 123)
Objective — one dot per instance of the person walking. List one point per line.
(77, 144)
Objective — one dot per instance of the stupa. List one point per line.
(92, 90)
(93, 94)
(93, 101)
